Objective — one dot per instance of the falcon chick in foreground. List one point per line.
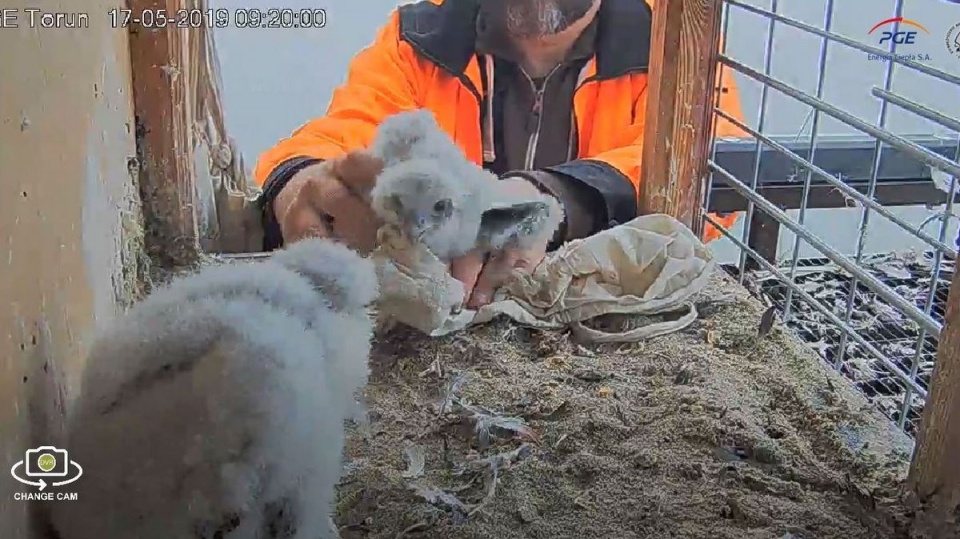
(215, 407)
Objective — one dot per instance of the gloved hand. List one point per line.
(482, 278)
(330, 199)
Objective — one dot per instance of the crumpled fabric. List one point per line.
(651, 265)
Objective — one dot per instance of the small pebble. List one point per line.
(766, 454)
(527, 514)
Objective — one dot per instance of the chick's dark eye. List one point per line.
(442, 206)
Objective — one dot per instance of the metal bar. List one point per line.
(823, 196)
(757, 152)
(839, 184)
(844, 156)
(920, 110)
(814, 131)
(244, 257)
(922, 68)
(922, 154)
(875, 284)
(823, 310)
(872, 186)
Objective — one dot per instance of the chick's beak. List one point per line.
(419, 226)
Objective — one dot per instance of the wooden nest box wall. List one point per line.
(192, 176)
(113, 159)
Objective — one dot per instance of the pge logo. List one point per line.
(46, 461)
(900, 37)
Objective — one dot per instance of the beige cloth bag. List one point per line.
(650, 265)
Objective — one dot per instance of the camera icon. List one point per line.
(46, 461)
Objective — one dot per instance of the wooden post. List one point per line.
(680, 100)
(935, 471)
(161, 94)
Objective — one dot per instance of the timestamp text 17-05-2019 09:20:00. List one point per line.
(218, 18)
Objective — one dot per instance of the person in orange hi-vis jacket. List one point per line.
(547, 94)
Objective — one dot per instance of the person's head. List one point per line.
(535, 19)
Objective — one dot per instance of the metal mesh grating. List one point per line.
(849, 223)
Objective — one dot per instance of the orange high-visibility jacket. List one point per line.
(424, 58)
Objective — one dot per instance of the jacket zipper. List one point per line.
(536, 115)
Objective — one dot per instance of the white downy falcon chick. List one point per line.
(215, 407)
(437, 197)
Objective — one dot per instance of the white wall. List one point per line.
(275, 80)
(849, 75)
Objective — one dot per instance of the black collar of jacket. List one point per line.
(446, 34)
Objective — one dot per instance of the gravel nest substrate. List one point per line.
(727, 429)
